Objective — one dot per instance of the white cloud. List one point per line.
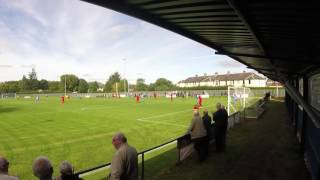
(71, 36)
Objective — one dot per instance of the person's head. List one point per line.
(42, 168)
(196, 113)
(218, 106)
(4, 165)
(205, 112)
(66, 168)
(118, 139)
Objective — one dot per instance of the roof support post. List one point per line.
(296, 96)
(305, 116)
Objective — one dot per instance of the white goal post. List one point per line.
(239, 98)
(8, 95)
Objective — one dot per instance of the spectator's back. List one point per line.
(4, 168)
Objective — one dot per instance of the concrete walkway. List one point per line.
(261, 149)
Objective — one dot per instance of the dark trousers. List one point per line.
(220, 137)
(201, 147)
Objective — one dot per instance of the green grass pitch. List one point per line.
(80, 130)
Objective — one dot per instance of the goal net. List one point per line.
(239, 98)
(8, 95)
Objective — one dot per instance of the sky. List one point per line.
(70, 36)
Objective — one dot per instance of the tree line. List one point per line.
(71, 83)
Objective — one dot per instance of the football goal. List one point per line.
(239, 98)
(8, 95)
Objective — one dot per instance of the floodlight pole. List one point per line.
(228, 100)
(277, 90)
(124, 72)
(117, 89)
(244, 97)
(65, 85)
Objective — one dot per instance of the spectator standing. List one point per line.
(42, 168)
(124, 164)
(220, 119)
(198, 134)
(207, 124)
(67, 172)
(4, 169)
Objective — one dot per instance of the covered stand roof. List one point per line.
(276, 38)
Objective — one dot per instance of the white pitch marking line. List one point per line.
(163, 115)
(96, 107)
(165, 123)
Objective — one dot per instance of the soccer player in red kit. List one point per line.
(62, 99)
(137, 98)
(200, 101)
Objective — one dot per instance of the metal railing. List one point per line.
(142, 153)
(181, 141)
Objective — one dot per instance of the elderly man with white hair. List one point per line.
(124, 164)
(67, 172)
(198, 135)
(220, 119)
(4, 168)
(42, 168)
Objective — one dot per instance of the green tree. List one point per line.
(83, 86)
(24, 84)
(151, 87)
(54, 86)
(163, 84)
(72, 82)
(10, 87)
(140, 85)
(33, 80)
(43, 84)
(123, 85)
(4, 88)
(14, 86)
(93, 86)
(113, 78)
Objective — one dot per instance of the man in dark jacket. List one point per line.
(220, 119)
(207, 124)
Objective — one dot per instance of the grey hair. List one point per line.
(66, 168)
(120, 136)
(196, 113)
(42, 167)
(4, 165)
(205, 111)
(218, 105)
